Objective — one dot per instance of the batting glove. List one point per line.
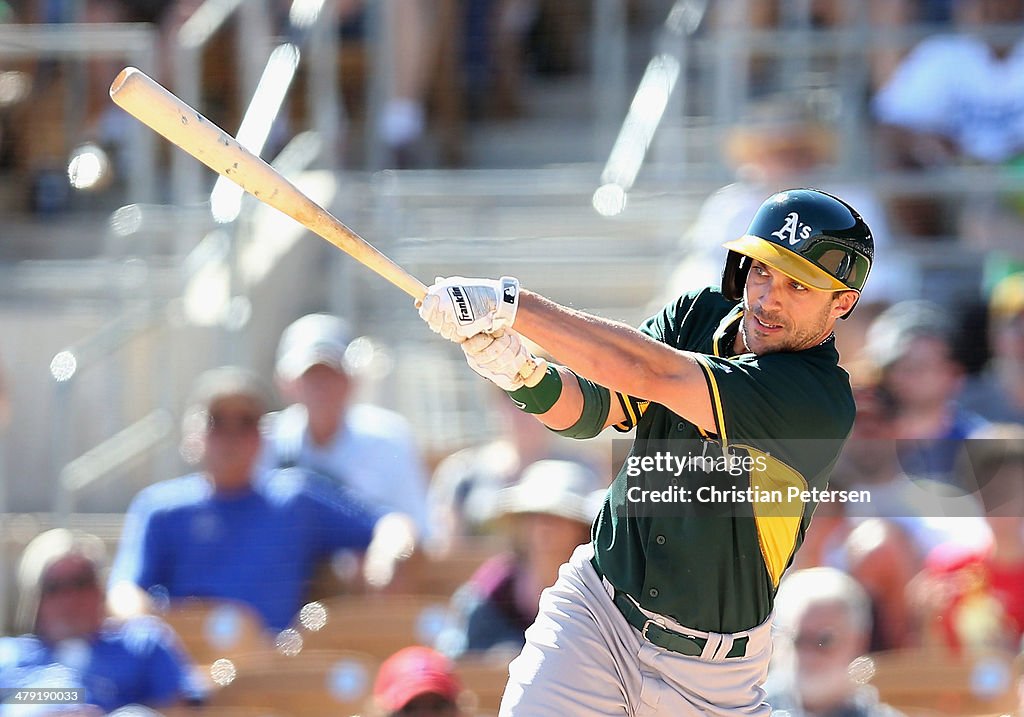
(457, 308)
(503, 360)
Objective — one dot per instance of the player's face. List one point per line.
(781, 314)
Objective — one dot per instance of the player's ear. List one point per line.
(842, 302)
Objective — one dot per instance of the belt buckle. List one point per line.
(643, 632)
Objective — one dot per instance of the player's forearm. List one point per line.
(610, 353)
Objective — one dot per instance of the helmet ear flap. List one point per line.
(734, 276)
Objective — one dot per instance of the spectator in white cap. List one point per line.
(70, 641)
(822, 626)
(547, 514)
(367, 449)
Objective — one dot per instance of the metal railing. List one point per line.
(135, 43)
(829, 61)
(310, 23)
(270, 86)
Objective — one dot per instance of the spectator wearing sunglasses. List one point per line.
(71, 644)
(416, 682)
(823, 624)
(221, 533)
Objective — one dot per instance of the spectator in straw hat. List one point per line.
(997, 393)
(547, 514)
(417, 682)
(465, 486)
(70, 643)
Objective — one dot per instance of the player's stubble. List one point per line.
(795, 337)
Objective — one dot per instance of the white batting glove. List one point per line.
(457, 308)
(503, 360)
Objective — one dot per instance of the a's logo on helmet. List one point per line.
(792, 230)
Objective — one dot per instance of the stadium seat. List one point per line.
(216, 629)
(483, 681)
(932, 681)
(217, 712)
(312, 683)
(378, 625)
(443, 575)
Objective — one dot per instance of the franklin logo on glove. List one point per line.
(463, 311)
(458, 308)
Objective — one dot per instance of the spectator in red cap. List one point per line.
(417, 681)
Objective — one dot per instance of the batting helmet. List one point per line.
(808, 235)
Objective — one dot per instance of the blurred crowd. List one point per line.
(934, 561)
(298, 492)
(446, 64)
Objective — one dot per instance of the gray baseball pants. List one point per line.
(582, 658)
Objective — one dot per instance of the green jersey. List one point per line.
(712, 558)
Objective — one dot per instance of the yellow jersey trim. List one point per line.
(777, 523)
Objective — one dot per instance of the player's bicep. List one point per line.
(676, 380)
(691, 391)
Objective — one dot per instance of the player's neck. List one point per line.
(739, 346)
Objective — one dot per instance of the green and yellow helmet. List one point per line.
(808, 235)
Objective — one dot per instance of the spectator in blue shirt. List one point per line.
(369, 450)
(911, 344)
(221, 533)
(70, 644)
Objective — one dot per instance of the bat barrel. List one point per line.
(152, 104)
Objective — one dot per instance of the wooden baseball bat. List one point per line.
(144, 98)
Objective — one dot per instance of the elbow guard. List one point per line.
(596, 404)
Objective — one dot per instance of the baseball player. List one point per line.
(667, 611)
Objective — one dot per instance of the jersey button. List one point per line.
(653, 592)
(680, 426)
(660, 540)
